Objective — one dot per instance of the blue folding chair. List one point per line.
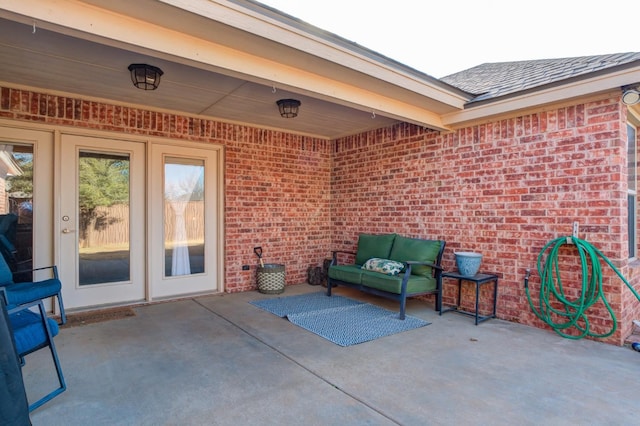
(27, 292)
(33, 330)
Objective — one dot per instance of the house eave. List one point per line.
(535, 98)
(266, 48)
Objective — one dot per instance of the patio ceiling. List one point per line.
(39, 49)
(58, 62)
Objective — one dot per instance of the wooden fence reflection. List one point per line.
(110, 226)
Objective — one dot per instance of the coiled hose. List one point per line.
(573, 313)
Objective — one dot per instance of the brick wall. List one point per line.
(503, 189)
(276, 184)
(277, 197)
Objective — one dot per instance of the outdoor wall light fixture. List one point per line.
(288, 107)
(145, 77)
(631, 95)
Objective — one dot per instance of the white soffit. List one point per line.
(82, 19)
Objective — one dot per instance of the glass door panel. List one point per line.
(184, 216)
(16, 209)
(103, 205)
(184, 238)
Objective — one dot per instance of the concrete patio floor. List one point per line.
(218, 360)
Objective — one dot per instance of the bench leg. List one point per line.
(328, 286)
(403, 305)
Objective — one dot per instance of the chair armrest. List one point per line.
(54, 268)
(18, 308)
(3, 296)
(6, 245)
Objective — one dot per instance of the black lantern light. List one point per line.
(145, 77)
(288, 107)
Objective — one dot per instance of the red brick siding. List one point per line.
(277, 195)
(276, 184)
(504, 189)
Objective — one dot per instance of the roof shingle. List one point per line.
(492, 80)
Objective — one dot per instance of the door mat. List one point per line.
(338, 319)
(92, 317)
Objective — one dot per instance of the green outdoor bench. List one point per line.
(391, 266)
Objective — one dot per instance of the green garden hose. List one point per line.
(573, 313)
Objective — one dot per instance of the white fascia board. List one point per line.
(511, 105)
(92, 23)
(255, 22)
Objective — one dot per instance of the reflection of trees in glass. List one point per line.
(104, 182)
(198, 191)
(184, 182)
(19, 184)
(23, 182)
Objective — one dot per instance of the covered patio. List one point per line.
(218, 360)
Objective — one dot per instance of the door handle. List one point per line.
(67, 231)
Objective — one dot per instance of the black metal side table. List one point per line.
(478, 279)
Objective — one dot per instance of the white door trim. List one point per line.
(212, 279)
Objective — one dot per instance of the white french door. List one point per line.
(136, 221)
(101, 221)
(184, 241)
(26, 191)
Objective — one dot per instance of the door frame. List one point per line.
(132, 289)
(42, 140)
(49, 226)
(149, 142)
(157, 152)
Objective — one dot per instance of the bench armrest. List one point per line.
(431, 264)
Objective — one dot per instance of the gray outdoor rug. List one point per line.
(339, 319)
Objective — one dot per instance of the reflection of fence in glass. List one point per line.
(104, 245)
(184, 239)
(117, 233)
(194, 222)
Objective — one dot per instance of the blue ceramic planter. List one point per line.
(468, 263)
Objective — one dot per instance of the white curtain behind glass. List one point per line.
(180, 181)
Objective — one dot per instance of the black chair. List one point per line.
(33, 330)
(26, 292)
(14, 408)
(8, 225)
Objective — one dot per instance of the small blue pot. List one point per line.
(468, 263)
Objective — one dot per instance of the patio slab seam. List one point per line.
(315, 374)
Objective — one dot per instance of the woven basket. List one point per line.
(270, 278)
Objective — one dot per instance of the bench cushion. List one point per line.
(374, 246)
(348, 273)
(393, 284)
(405, 249)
